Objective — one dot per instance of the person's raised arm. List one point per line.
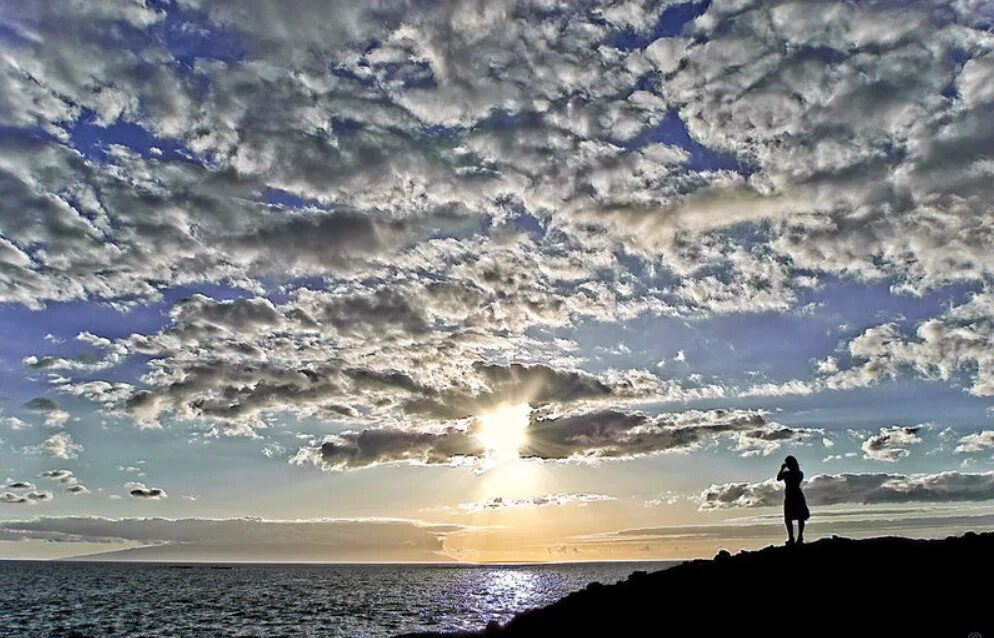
(783, 470)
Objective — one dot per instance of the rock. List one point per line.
(832, 587)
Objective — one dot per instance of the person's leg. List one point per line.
(790, 531)
(800, 530)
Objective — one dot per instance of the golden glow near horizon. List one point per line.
(503, 432)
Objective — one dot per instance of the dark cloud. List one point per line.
(55, 416)
(58, 475)
(25, 498)
(17, 485)
(604, 434)
(139, 490)
(353, 450)
(615, 434)
(69, 481)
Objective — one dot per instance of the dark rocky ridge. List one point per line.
(832, 587)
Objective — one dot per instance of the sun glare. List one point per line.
(503, 431)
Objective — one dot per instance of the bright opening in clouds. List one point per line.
(503, 432)
(273, 271)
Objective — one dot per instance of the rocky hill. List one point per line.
(832, 587)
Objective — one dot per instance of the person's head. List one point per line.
(791, 463)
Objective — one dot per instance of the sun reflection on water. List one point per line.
(509, 588)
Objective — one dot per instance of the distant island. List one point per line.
(836, 587)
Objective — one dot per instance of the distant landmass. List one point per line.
(838, 587)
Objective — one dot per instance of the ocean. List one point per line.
(55, 599)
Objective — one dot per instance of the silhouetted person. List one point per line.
(795, 508)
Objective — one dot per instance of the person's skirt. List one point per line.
(795, 508)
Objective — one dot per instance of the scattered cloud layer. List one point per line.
(258, 540)
(451, 178)
(872, 488)
(951, 347)
(352, 229)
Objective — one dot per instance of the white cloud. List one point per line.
(14, 423)
(955, 343)
(891, 444)
(61, 446)
(976, 442)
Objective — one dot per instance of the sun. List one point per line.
(503, 432)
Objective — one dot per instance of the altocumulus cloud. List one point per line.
(516, 186)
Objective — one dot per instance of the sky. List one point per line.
(485, 281)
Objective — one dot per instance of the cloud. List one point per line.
(863, 523)
(55, 416)
(343, 138)
(353, 450)
(454, 183)
(977, 442)
(25, 498)
(868, 489)
(375, 352)
(17, 485)
(139, 490)
(945, 347)
(62, 476)
(498, 503)
(608, 434)
(67, 479)
(14, 423)
(246, 539)
(61, 446)
(555, 436)
(891, 443)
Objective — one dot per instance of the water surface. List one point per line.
(142, 599)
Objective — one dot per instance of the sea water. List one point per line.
(49, 599)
